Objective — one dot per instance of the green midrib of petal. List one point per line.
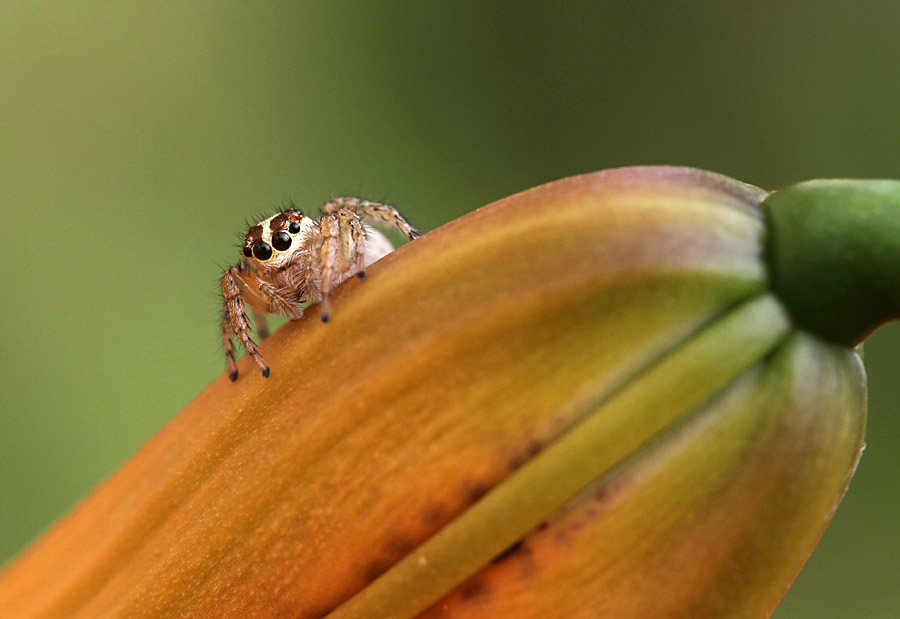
(663, 394)
(833, 254)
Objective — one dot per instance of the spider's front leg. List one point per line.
(234, 322)
(240, 284)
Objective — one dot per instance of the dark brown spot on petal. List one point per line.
(375, 569)
(400, 546)
(473, 589)
(602, 495)
(435, 514)
(476, 491)
(506, 554)
(531, 450)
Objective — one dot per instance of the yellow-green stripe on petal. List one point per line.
(702, 520)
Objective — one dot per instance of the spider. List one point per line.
(290, 259)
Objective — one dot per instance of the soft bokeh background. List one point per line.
(137, 139)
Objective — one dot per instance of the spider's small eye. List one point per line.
(262, 250)
(294, 228)
(247, 251)
(281, 240)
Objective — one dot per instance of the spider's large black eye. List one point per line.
(281, 240)
(262, 250)
(247, 251)
(294, 228)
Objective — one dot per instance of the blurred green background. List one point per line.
(137, 140)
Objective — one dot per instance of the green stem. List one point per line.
(833, 253)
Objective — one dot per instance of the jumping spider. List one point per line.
(290, 259)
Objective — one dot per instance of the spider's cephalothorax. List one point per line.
(290, 259)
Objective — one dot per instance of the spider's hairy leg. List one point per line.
(227, 333)
(342, 254)
(329, 255)
(353, 242)
(234, 321)
(259, 319)
(383, 215)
